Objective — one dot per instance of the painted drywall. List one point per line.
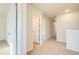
(66, 22)
(11, 28)
(2, 28)
(24, 29)
(35, 29)
(3, 12)
(45, 32)
(53, 28)
(29, 28)
(72, 42)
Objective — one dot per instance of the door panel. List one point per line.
(11, 28)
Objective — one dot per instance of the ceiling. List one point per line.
(54, 9)
(4, 7)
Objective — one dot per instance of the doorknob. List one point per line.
(9, 33)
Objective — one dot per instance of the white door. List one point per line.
(11, 28)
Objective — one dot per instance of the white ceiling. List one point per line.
(53, 9)
(4, 7)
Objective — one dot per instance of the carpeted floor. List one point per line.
(51, 47)
(4, 48)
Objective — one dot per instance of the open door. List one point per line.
(11, 28)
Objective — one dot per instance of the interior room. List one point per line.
(53, 29)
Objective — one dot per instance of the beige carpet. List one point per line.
(4, 48)
(51, 47)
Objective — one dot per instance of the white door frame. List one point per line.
(21, 28)
(17, 31)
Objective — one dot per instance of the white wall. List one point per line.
(35, 29)
(45, 32)
(29, 28)
(2, 28)
(65, 22)
(53, 28)
(72, 41)
(24, 29)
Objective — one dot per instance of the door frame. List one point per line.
(21, 42)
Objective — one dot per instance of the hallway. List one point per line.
(51, 47)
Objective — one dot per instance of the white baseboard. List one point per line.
(29, 49)
(61, 41)
(37, 42)
(75, 50)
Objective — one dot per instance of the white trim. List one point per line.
(29, 49)
(22, 37)
(61, 41)
(75, 50)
